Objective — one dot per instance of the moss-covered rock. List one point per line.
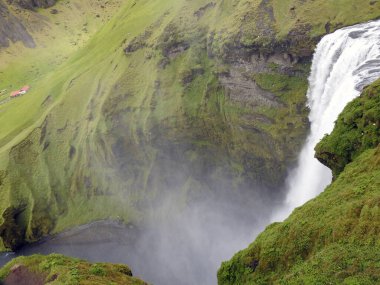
(357, 129)
(334, 238)
(12, 230)
(58, 269)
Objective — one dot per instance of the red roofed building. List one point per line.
(15, 93)
(22, 91)
(25, 88)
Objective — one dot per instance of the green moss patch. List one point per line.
(58, 269)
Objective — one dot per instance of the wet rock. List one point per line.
(328, 27)
(12, 232)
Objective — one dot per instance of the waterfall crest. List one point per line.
(344, 62)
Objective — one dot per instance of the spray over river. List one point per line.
(190, 245)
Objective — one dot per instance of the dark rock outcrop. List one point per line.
(21, 275)
(11, 231)
(12, 29)
(33, 4)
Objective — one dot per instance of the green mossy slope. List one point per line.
(56, 269)
(289, 26)
(357, 129)
(334, 238)
(135, 98)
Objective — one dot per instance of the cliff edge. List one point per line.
(332, 239)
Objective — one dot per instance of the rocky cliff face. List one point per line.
(334, 237)
(13, 20)
(33, 4)
(12, 29)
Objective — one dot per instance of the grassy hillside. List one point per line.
(334, 238)
(130, 99)
(56, 269)
(289, 26)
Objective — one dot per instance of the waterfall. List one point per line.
(344, 62)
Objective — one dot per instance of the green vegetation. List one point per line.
(132, 98)
(57, 269)
(289, 26)
(334, 238)
(356, 130)
(321, 16)
(290, 120)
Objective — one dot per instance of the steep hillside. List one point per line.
(334, 238)
(57, 269)
(133, 99)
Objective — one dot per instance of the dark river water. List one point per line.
(102, 241)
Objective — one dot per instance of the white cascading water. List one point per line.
(344, 62)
